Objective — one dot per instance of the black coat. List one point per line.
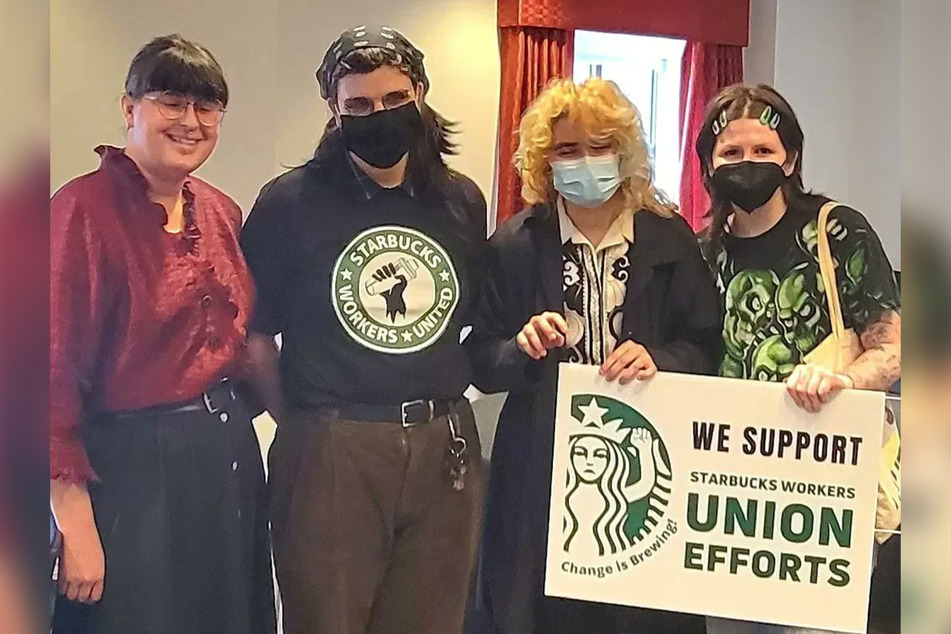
(671, 308)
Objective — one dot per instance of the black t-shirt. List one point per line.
(369, 287)
(772, 294)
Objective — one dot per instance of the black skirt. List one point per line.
(181, 510)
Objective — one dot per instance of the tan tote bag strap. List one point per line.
(827, 270)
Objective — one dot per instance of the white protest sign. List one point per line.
(714, 496)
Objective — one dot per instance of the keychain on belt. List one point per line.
(456, 455)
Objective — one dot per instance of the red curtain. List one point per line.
(706, 69)
(531, 58)
(720, 21)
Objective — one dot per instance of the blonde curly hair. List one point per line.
(602, 111)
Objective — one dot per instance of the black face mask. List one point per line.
(749, 185)
(382, 138)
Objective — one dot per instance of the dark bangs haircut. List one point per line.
(744, 101)
(437, 142)
(174, 64)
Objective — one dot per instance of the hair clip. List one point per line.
(770, 118)
(719, 125)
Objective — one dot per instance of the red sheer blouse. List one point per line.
(138, 317)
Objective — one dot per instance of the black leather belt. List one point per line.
(408, 413)
(215, 400)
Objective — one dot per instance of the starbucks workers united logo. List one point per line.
(394, 289)
(618, 480)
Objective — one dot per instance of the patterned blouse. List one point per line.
(595, 284)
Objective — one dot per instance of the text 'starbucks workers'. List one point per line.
(714, 496)
(394, 289)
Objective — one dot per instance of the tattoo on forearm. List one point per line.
(879, 366)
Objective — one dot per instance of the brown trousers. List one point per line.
(369, 536)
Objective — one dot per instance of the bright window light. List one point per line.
(647, 70)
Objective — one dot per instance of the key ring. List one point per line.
(455, 436)
(457, 446)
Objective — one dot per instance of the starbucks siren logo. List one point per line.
(619, 479)
(394, 289)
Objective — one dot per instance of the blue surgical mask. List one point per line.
(589, 181)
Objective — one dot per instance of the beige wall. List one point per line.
(759, 58)
(269, 50)
(838, 64)
(23, 67)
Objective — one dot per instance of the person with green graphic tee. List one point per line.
(600, 270)
(763, 247)
(365, 261)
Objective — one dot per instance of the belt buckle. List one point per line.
(405, 407)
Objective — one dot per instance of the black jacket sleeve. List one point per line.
(470, 206)
(266, 240)
(499, 315)
(693, 324)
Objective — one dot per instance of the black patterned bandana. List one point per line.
(370, 37)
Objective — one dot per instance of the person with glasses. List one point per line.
(173, 105)
(156, 477)
(364, 259)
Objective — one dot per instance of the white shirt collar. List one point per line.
(620, 232)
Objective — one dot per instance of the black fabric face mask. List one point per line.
(382, 138)
(749, 184)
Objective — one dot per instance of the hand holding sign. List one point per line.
(811, 386)
(629, 361)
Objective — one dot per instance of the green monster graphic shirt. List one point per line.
(772, 295)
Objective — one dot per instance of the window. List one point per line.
(647, 70)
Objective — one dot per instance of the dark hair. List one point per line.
(430, 153)
(172, 63)
(744, 101)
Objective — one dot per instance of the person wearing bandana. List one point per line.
(364, 260)
(762, 244)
